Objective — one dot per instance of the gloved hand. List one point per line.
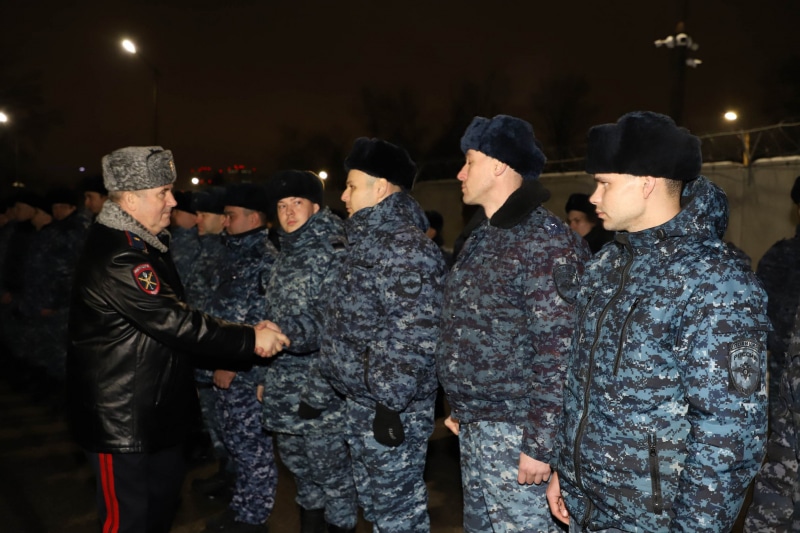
(387, 427)
(306, 412)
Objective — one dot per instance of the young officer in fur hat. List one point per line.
(506, 322)
(129, 377)
(380, 336)
(184, 244)
(311, 443)
(240, 297)
(664, 418)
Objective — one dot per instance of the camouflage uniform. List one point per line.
(664, 419)
(776, 498)
(506, 329)
(240, 298)
(200, 283)
(778, 271)
(378, 350)
(184, 247)
(314, 450)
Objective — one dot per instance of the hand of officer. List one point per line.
(269, 325)
(452, 424)
(532, 471)
(387, 426)
(270, 342)
(260, 393)
(223, 378)
(556, 501)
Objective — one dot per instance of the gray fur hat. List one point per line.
(138, 167)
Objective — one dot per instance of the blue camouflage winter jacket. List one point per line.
(664, 413)
(383, 315)
(507, 319)
(243, 275)
(295, 302)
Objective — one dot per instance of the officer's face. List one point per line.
(476, 177)
(619, 199)
(94, 201)
(360, 192)
(210, 223)
(294, 212)
(152, 207)
(240, 220)
(579, 222)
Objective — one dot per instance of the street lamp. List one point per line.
(323, 175)
(3, 117)
(731, 116)
(129, 47)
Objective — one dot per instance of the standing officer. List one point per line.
(311, 443)
(129, 379)
(664, 418)
(380, 336)
(507, 322)
(240, 297)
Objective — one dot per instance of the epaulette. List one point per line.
(135, 241)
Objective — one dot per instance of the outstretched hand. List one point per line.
(269, 342)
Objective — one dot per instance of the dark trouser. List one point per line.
(138, 492)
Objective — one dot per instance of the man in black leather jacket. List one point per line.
(129, 376)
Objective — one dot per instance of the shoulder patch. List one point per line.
(146, 278)
(743, 363)
(135, 241)
(409, 284)
(566, 281)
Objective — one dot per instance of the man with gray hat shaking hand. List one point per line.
(129, 375)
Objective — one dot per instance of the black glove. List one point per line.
(387, 427)
(306, 412)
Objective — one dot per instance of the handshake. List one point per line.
(269, 339)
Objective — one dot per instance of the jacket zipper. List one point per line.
(576, 454)
(366, 370)
(622, 335)
(655, 475)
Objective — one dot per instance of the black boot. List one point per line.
(337, 529)
(312, 520)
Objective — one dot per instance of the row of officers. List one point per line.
(621, 391)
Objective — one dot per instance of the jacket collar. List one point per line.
(114, 217)
(520, 204)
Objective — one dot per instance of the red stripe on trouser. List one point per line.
(111, 525)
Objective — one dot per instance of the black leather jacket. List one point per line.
(129, 375)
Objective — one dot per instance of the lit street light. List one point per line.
(3, 117)
(730, 116)
(131, 48)
(323, 174)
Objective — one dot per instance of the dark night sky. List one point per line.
(234, 77)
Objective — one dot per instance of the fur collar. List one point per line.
(520, 204)
(114, 217)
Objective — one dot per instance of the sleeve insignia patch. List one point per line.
(146, 279)
(409, 284)
(743, 365)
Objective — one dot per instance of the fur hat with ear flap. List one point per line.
(248, 196)
(643, 143)
(507, 139)
(138, 167)
(211, 200)
(296, 184)
(381, 159)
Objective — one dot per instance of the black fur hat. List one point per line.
(382, 159)
(295, 183)
(94, 184)
(507, 139)
(579, 202)
(35, 200)
(184, 200)
(63, 195)
(211, 200)
(247, 195)
(643, 143)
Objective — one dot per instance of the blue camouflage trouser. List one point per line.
(320, 464)
(493, 500)
(389, 481)
(250, 447)
(207, 399)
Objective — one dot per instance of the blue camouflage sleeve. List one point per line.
(403, 361)
(551, 289)
(722, 359)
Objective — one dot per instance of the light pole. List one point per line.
(4, 119)
(131, 48)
